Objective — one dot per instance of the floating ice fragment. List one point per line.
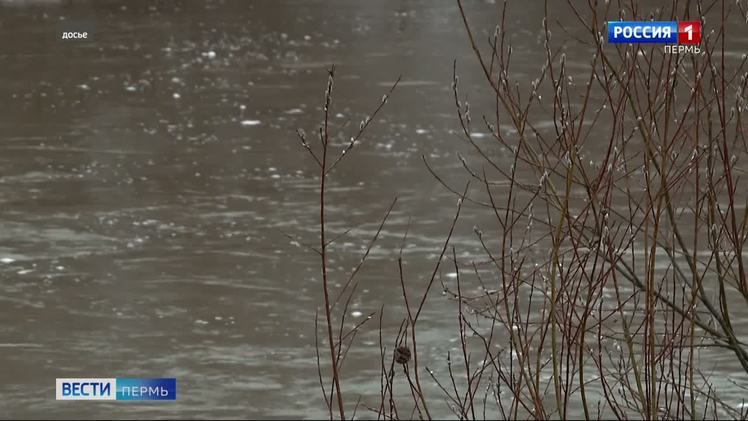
(176, 95)
(209, 54)
(7, 260)
(357, 314)
(251, 122)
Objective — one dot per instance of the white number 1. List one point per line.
(689, 29)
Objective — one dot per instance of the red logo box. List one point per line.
(689, 32)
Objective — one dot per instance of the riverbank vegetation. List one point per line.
(642, 236)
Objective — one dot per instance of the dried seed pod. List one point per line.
(402, 354)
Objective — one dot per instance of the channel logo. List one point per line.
(100, 389)
(657, 32)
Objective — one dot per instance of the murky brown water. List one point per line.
(148, 175)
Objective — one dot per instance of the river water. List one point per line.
(149, 176)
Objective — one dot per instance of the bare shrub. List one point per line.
(642, 265)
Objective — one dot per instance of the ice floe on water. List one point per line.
(251, 123)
